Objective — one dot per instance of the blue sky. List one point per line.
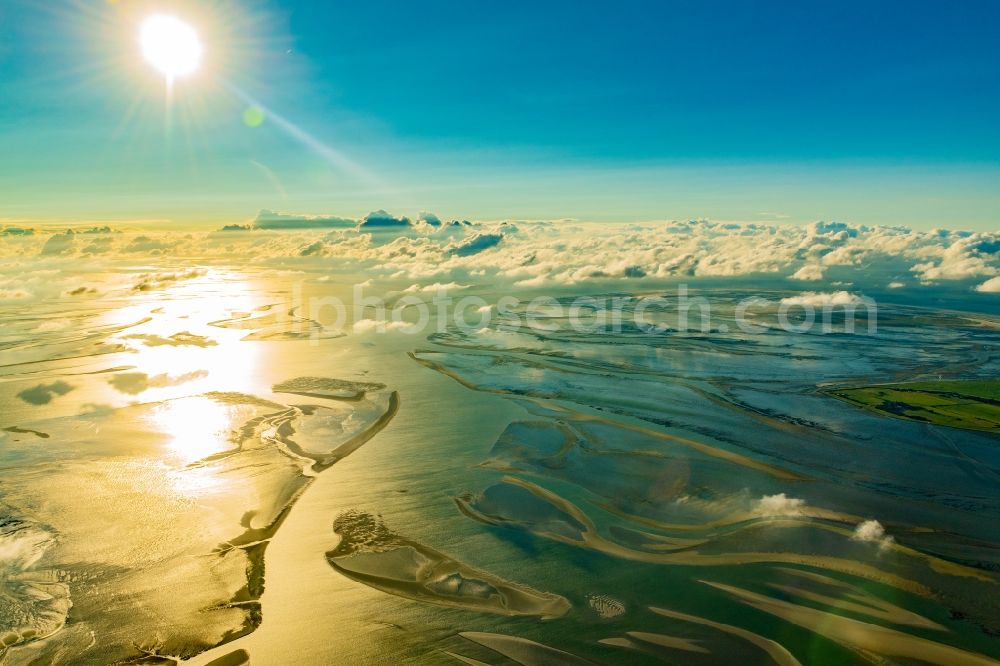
(865, 112)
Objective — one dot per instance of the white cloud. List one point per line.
(437, 286)
(429, 218)
(363, 326)
(871, 531)
(778, 505)
(964, 258)
(822, 298)
(531, 282)
(809, 272)
(383, 220)
(991, 286)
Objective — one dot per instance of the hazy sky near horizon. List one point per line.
(874, 113)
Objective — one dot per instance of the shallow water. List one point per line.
(200, 466)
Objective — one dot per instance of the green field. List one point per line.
(974, 405)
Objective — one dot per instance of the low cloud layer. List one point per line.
(540, 253)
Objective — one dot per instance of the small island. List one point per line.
(972, 404)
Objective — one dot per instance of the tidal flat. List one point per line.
(198, 468)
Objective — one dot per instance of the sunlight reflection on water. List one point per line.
(197, 427)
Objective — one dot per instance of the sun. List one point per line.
(170, 45)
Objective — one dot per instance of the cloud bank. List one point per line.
(540, 253)
(268, 219)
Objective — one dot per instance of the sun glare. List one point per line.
(170, 45)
